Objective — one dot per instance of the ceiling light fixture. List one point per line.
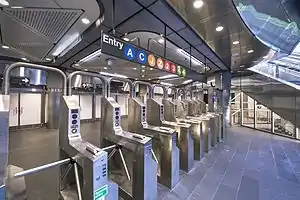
(85, 20)
(134, 68)
(151, 69)
(143, 76)
(187, 81)
(67, 44)
(265, 57)
(167, 84)
(4, 2)
(168, 76)
(143, 70)
(161, 40)
(219, 28)
(198, 4)
(126, 39)
(105, 68)
(236, 42)
(48, 59)
(16, 7)
(5, 47)
(114, 75)
(91, 56)
(24, 58)
(85, 69)
(143, 66)
(251, 51)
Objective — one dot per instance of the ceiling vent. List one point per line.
(51, 24)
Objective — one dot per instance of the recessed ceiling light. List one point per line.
(242, 66)
(143, 66)
(251, 51)
(16, 7)
(134, 68)
(85, 69)
(4, 2)
(104, 67)
(151, 69)
(149, 79)
(143, 70)
(161, 40)
(198, 4)
(265, 57)
(219, 28)
(24, 58)
(85, 20)
(4, 46)
(48, 59)
(236, 42)
(126, 39)
(143, 76)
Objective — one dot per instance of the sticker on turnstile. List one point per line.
(101, 193)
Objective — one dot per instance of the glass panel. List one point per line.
(283, 127)
(248, 111)
(263, 118)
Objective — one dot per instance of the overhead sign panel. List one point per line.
(121, 49)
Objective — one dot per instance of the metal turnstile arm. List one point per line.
(77, 182)
(124, 164)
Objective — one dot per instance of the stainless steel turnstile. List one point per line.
(165, 150)
(142, 170)
(185, 140)
(170, 109)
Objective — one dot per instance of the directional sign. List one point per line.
(124, 50)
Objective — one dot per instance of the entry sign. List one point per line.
(118, 48)
(101, 193)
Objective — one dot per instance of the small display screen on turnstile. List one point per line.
(74, 111)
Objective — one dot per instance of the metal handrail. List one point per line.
(103, 79)
(6, 85)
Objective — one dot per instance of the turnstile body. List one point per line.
(163, 142)
(170, 109)
(185, 141)
(92, 161)
(138, 154)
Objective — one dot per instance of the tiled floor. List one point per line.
(249, 165)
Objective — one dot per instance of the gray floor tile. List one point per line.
(249, 189)
(225, 192)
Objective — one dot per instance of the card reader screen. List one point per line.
(74, 111)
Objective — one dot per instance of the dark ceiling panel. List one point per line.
(123, 10)
(142, 21)
(146, 2)
(168, 17)
(178, 41)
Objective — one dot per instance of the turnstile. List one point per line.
(138, 152)
(185, 140)
(165, 150)
(170, 109)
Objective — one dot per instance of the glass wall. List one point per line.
(265, 104)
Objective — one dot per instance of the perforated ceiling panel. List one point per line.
(49, 23)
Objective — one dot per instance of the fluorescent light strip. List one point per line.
(91, 56)
(187, 55)
(167, 84)
(67, 45)
(114, 75)
(168, 76)
(187, 81)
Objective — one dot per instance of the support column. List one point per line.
(54, 96)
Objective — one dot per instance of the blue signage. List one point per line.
(129, 52)
(142, 57)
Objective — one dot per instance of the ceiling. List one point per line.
(223, 13)
(143, 22)
(39, 30)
